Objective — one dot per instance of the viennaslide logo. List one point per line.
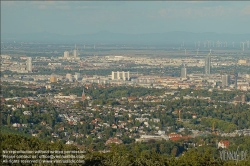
(237, 155)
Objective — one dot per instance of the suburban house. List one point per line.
(223, 144)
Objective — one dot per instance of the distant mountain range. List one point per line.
(109, 37)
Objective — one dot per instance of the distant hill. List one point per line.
(120, 38)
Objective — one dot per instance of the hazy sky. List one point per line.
(70, 18)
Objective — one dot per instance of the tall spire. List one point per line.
(83, 95)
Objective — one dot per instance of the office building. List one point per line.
(207, 64)
(66, 54)
(184, 72)
(75, 52)
(29, 64)
(225, 80)
(120, 75)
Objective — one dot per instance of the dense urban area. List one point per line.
(128, 101)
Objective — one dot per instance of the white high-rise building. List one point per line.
(207, 64)
(75, 52)
(66, 54)
(120, 75)
(184, 72)
(225, 80)
(29, 64)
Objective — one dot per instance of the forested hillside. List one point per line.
(118, 155)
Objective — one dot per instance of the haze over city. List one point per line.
(72, 18)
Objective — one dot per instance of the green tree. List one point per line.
(8, 120)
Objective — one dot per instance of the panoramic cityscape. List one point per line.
(106, 97)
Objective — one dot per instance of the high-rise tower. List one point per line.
(225, 80)
(207, 64)
(75, 52)
(235, 80)
(29, 64)
(184, 72)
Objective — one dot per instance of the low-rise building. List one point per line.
(223, 144)
(114, 140)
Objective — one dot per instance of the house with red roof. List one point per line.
(223, 144)
(113, 140)
(174, 136)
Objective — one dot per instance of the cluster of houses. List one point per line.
(74, 118)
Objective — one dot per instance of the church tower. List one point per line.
(83, 95)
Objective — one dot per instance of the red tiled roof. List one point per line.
(225, 142)
(175, 138)
(113, 140)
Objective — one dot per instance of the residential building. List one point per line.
(120, 75)
(113, 140)
(223, 144)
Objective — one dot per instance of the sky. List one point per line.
(86, 17)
